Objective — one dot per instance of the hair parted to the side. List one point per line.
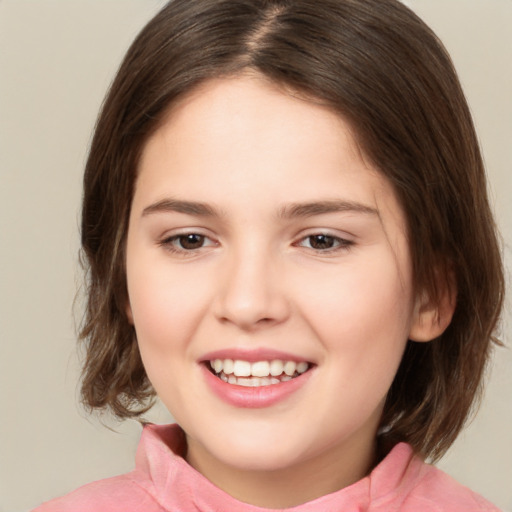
(381, 68)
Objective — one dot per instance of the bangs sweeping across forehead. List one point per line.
(381, 68)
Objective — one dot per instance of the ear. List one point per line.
(433, 315)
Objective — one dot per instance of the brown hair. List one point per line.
(381, 68)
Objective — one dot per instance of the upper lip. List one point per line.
(253, 355)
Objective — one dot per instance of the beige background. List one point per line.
(56, 60)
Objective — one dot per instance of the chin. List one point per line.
(256, 458)
(259, 447)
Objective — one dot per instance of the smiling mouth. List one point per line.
(258, 373)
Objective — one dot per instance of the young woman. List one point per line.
(289, 241)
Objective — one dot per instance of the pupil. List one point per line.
(321, 241)
(191, 241)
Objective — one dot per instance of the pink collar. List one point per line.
(178, 487)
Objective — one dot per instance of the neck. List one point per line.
(291, 486)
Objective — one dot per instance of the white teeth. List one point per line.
(253, 381)
(242, 368)
(302, 367)
(262, 372)
(260, 369)
(217, 365)
(228, 366)
(276, 368)
(250, 382)
(289, 368)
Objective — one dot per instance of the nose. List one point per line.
(252, 292)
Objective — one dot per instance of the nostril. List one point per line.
(249, 298)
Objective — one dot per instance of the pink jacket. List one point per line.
(163, 481)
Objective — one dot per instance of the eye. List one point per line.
(324, 242)
(190, 241)
(187, 242)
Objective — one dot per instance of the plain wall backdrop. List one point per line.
(57, 58)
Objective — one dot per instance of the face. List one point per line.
(262, 241)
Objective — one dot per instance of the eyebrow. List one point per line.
(322, 207)
(187, 207)
(293, 210)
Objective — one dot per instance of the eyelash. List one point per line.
(338, 244)
(169, 243)
(341, 244)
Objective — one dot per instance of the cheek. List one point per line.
(165, 305)
(165, 321)
(364, 345)
(371, 303)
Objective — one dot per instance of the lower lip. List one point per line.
(254, 397)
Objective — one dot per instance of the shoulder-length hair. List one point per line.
(385, 72)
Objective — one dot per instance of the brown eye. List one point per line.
(187, 243)
(322, 242)
(190, 241)
(325, 243)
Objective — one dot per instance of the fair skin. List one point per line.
(258, 232)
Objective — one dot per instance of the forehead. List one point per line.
(234, 137)
(255, 109)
